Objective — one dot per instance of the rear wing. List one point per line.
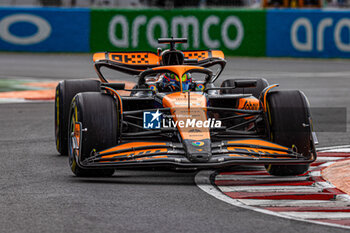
(135, 62)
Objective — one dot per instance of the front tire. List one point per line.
(289, 119)
(98, 115)
(65, 91)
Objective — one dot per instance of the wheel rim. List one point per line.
(57, 122)
(71, 152)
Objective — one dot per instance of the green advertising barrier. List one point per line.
(235, 32)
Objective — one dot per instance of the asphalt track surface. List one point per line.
(38, 192)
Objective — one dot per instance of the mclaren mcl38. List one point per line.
(175, 116)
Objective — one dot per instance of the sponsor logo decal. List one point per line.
(197, 143)
(42, 25)
(132, 28)
(153, 87)
(249, 105)
(323, 25)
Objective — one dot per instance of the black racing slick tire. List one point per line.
(65, 91)
(261, 83)
(289, 119)
(98, 115)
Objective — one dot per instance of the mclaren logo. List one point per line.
(133, 154)
(259, 151)
(250, 105)
(138, 153)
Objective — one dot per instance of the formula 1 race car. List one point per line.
(175, 116)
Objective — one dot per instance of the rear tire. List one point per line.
(288, 111)
(261, 83)
(65, 91)
(98, 114)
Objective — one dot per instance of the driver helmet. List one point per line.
(172, 80)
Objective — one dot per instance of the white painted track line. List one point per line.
(326, 164)
(293, 203)
(261, 178)
(324, 184)
(338, 150)
(327, 159)
(289, 188)
(342, 148)
(318, 215)
(343, 197)
(315, 173)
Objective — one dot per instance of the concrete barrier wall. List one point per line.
(273, 33)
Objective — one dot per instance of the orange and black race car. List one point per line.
(175, 116)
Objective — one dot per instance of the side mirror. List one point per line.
(245, 83)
